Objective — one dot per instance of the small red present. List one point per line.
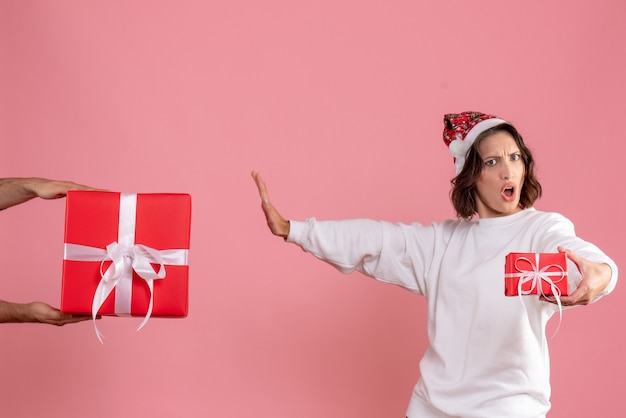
(126, 254)
(535, 274)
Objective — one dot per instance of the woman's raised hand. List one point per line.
(277, 224)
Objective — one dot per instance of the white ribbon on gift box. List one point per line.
(535, 276)
(126, 256)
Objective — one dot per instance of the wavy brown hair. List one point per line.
(463, 193)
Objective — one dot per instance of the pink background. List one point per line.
(339, 104)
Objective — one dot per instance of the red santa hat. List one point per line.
(461, 130)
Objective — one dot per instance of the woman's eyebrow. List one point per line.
(492, 157)
(496, 156)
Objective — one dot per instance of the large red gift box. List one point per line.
(126, 254)
(535, 274)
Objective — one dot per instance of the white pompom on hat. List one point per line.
(461, 130)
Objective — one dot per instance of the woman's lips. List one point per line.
(508, 193)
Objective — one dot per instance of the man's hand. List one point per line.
(39, 312)
(54, 189)
(14, 191)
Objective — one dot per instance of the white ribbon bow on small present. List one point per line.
(126, 257)
(535, 277)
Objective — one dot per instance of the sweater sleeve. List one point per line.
(378, 249)
(560, 232)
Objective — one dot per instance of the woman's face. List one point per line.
(500, 183)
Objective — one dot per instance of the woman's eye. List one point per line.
(515, 157)
(490, 163)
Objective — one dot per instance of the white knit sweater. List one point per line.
(488, 355)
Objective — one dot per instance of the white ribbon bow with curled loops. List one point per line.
(126, 257)
(124, 261)
(535, 277)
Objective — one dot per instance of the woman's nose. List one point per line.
(507, 170)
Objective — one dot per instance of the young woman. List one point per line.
(488, 355)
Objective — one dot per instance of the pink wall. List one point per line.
(338, 103)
